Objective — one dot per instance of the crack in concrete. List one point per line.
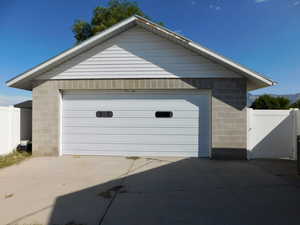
(115, 194)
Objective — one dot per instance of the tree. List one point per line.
(270, 102)
(284, 103)
(296, 104)
(105, 17)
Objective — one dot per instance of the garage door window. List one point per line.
(163, 114)
(104, 114)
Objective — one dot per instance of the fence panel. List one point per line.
(15, 125)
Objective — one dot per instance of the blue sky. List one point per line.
(263, 35)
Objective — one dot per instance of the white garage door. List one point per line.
(136, 123)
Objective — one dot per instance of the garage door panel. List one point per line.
(147, 153)
(134, 147)
(146, 96)
(134, 107)
(117, 101)
(187, 114)
(132, 139)
(130, 122)
(132, 150)
(129, 105)
(131, 131)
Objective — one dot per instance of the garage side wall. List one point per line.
(45, 119)
(228, 109)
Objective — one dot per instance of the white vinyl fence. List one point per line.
(15, 125)
(273, 133)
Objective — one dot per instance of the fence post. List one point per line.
(249, 117)
(294, 113)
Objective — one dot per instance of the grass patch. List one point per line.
(13, 158)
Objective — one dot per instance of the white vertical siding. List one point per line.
(138, 53)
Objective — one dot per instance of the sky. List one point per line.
(263, 35)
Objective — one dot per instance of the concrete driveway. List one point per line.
(147, 191)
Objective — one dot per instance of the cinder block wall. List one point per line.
(229, 119)
(45, 119)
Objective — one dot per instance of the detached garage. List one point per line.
(139, 89)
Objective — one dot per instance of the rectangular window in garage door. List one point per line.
(163, 114)
(104, 114)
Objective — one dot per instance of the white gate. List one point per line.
(272, 133)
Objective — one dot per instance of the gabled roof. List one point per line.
(23, 81)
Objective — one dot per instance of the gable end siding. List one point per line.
(138, 53)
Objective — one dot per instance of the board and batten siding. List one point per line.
(137, 53)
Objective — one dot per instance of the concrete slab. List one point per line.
(118, 190)
(201, 191)
(173, 207)
(38, 183)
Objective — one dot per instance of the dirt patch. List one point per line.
(9, 195)
(133, 157)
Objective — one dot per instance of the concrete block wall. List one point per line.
(229, 119)
(45, 119)
(229, 97)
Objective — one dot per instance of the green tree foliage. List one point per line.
(270, 102)
(82, 30)
(105, 17)
(296, 104)
(284, 103)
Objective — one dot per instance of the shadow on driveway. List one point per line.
(189, 191)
